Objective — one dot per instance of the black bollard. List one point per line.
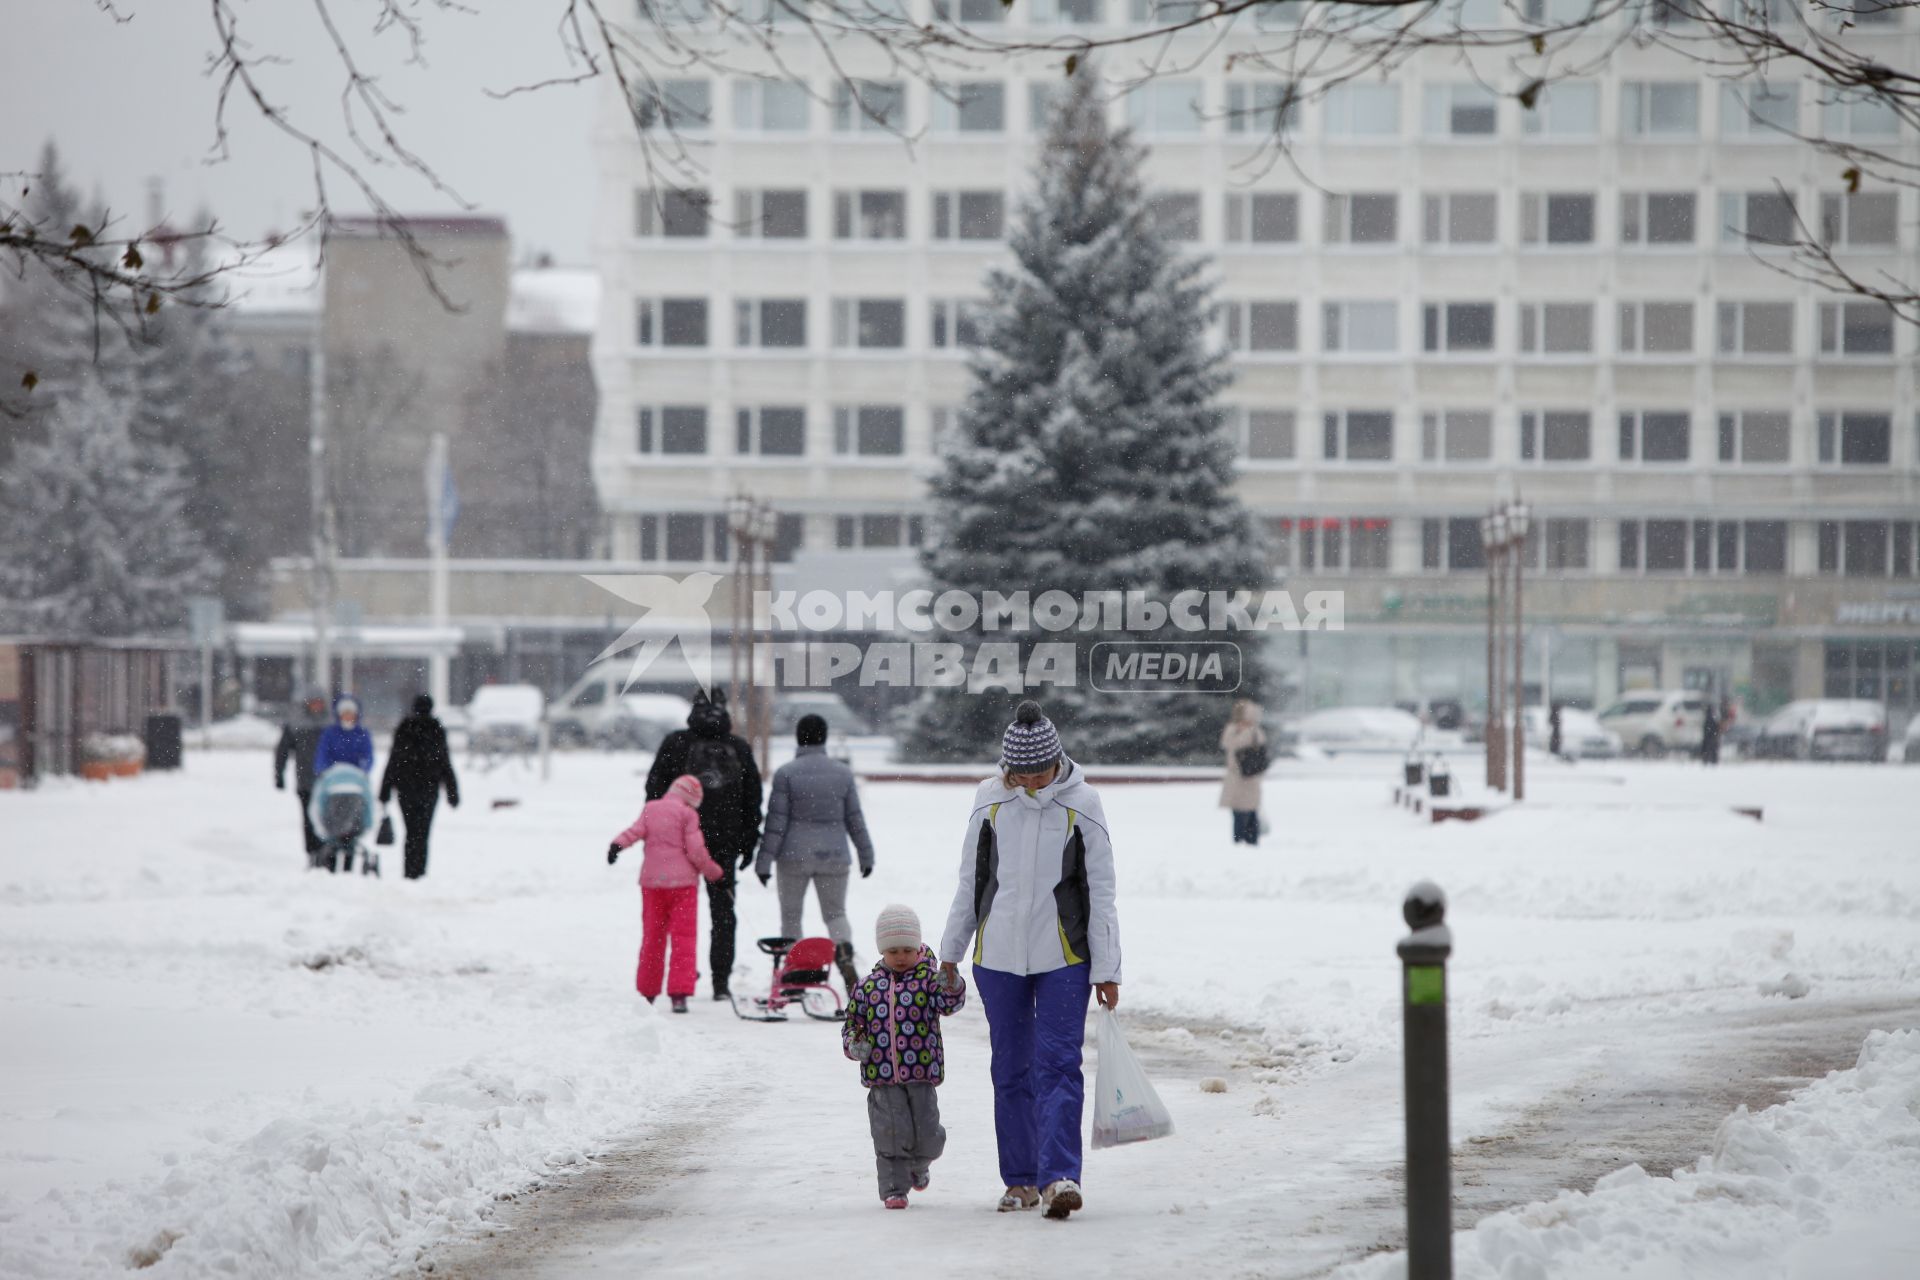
(1414, 771)
(1423, 960)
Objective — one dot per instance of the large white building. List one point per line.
(1440, 300)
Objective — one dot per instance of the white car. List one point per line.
(1825, 729)
(1653, 722)
(505, 717)
(1369, 730)
(1582, 736)
(597, 709)
(842, 720)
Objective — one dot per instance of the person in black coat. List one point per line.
(1710, 734)
(298, 738)
(418, 766)
(709, 749)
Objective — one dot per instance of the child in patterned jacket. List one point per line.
(893, 1032)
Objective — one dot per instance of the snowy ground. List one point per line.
(214, 1061)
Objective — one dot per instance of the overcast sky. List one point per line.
(129, 102)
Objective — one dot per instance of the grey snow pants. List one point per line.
(907, 1136)
(831, 886)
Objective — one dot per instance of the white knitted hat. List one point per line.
(897, 926)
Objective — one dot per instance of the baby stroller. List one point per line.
(342, 813)
(800, 970)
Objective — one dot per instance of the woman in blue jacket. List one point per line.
(344, 741)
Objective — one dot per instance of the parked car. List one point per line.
(1582, 736)
(1910, 750)
(1825, 729)
(842, 720)
(597, 710)
(505, 717)
(1362, 729)
(1653, 722)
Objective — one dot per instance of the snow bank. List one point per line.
(1825, 1184)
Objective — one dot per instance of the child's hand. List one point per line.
(613, 854)
(859, 1050)
(950, 979)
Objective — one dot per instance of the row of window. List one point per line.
(1545, 437)
(1171, 108)
(1752, 329)
(1868, 221)
(702, 537)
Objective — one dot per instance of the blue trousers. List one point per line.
(1246, 826)
(1037, 1024)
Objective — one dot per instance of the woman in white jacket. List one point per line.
(1035, 905)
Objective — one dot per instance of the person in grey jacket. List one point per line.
(814, 809)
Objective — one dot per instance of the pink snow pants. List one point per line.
(668, 914)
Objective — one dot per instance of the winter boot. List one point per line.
(1018, 1198)
(679, 1004)
(1062, 1197)
(843, 956)
(921, 1179)
(895, 1202)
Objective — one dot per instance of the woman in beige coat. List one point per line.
(1238, 792)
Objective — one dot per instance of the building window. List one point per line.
(1357, 435)
(679, 213)
(1752, 547)
(1461, 111)
(1564, 435)
(1258, 327)
(969, 215)
(1860, 115)
(1263, 217)
(1042, 97)
(953, 324)
(1176, 214)
(770, 322)
(1656, 328)
(1067, 13)
(869, 106)
(1460, 218)
(972, 13)
(869, 431)
(1756, 111)
(687, 535)
(1863, 220)
(1362, 111)
(1653, 436)
(1556, 218)
(1260, 107)
(770, 431)
(877, 531)
(1569, 109)
(789, 533)
(1457, 327)
(671, 322)
(1452, 545)
(877, 323)
(1456, 435)
(870, 215)
(942, 421)
(1659, 110)
(1563, 542)
(1166, 106)
(1331, 544)
(972, 106)
(770, 106)
(1867, 548)
(1268, 434)
(680, 105)
(1655, 546)
(770, 215)
(676, 429)
(1856, 329)
(1363, 219)
(1556, 328)
(1657, 217)
(1756, 328)
(1763, 546)
(1360, 328)
(1855, 439)
(1757, 217)
(1756, 437)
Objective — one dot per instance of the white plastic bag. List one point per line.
(1125, 1107)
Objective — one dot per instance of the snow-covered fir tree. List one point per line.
(1090, 454)
(93, 535)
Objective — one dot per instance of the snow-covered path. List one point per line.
(223, 1062)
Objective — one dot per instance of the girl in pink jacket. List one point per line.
(675, 858)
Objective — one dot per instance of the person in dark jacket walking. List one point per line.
(418, 766)
(1554, 742)
(709, 749)
(298, 739)
(1710, 734)
(814, 809)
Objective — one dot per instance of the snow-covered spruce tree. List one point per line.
(93, 536)
(1090, 455)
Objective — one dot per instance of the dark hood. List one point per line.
(709, 719)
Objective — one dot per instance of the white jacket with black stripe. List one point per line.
(1036, 886)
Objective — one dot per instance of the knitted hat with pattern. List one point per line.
(1030, 743)
(897, 926)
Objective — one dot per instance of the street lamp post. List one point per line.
(1519, 517)
(1495, 541)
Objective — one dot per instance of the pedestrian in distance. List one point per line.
(709, 749)
(1553, 730)
(1245, 743)
(1035, 906)
(673, 862)
(419, 767)
(812, 813)
(893, 1031)
(299, 741)
(345, 741)
(1710, 733)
